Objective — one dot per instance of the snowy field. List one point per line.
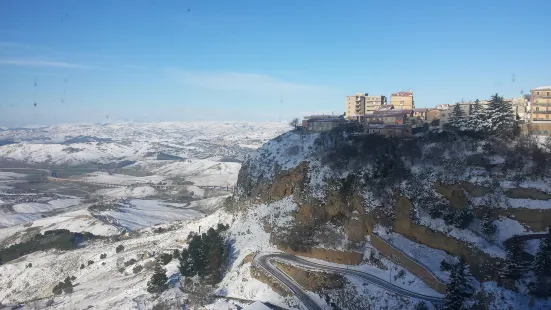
(139, 213)
(75, 221)
(35, 207)
(202, 172)
(119, 179)
(9, 178)
(20, 213)
(123, 192)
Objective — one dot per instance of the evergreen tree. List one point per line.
(198, 255)
(186, 264)
(542, 268)
(158, 282)
(458, 119)
(499, 117)
(216, 254)
(515, 262)
(477, 117)
(488, 226)
(204, 256)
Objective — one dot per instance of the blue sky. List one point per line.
(105, 61)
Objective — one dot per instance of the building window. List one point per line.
(547, 94)
(538, 93)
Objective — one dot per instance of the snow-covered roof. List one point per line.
(542, 88)
(257, 305)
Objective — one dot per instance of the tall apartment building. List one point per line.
(362, 104)
(372, 103)
(540, 101)
(402, 100)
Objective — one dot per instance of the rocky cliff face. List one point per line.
(334, 182)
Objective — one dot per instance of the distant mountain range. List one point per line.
(103, 143)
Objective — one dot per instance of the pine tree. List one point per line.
(204, 256)
(488, 226)
(476, 120)
(186, 264)
(499, 117)
(542, 268)
(216, 255)
(515, 262)
(197, 254)
(458, 119)
(158, 282)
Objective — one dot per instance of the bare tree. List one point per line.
(294, 123)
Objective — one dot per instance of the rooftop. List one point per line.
(403, 94)
(385, 107)
(542, 88)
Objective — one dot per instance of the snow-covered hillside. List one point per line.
(76, 144)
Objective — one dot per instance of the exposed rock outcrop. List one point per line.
(284, 183)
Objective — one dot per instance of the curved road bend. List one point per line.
(264, 260)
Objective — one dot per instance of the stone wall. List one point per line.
(400, 258)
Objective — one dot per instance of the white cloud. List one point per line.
(245, 82)
(41, 63)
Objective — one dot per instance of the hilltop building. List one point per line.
(402, 100)
(540, 101)
(362, 104)
(540, 109)
(319, 123)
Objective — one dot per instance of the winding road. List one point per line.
(264, 260)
